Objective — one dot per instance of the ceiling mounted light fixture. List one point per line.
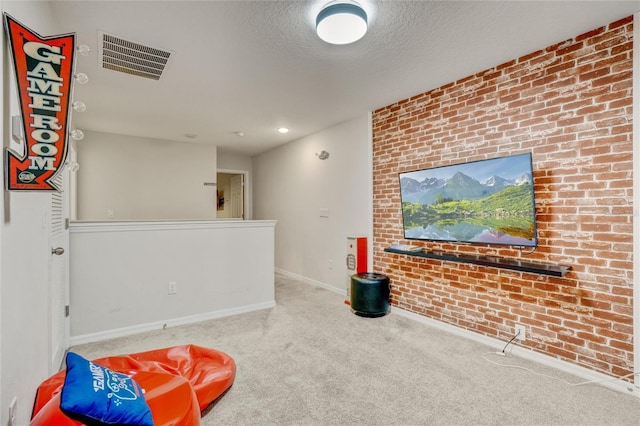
(341, 22)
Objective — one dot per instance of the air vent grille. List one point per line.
(125, 56)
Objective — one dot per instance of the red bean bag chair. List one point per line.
(179, 382)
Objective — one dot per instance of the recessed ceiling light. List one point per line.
(190, 135)
(239, 134)
(283, 130)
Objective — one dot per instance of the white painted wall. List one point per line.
(4, 137)
(24, 303)
(291, 185)
(144, 179)
(234, 161)
(120, 274)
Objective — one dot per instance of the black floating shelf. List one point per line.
(498, 262)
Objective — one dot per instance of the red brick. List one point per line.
(583, 166)
(590, 34)
(621, 22)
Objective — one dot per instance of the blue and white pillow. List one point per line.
(92, 392)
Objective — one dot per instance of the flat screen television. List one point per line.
(485, 202)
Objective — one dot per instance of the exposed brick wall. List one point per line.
(570, 105)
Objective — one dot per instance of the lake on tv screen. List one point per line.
(469, 232)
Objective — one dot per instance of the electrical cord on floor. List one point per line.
(503, 353)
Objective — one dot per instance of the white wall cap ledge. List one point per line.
(166, 225)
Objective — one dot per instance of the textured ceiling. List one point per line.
(253, 66)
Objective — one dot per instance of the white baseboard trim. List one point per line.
(159, 325)
(549, 361)
(310, 281)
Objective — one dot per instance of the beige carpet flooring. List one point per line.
(310, 361)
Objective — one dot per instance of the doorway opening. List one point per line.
(231, 194)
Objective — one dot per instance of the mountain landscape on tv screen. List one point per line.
(458, 187)
(461, 208)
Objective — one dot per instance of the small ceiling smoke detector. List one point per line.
(118, 54)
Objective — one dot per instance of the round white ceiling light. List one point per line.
(341, 22)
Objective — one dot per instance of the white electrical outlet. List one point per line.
(13, 411)
(521, 332)
(173, 287)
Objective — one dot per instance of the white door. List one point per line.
(237, 196)
(58, 273)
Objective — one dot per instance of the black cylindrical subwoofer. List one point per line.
(370, 294)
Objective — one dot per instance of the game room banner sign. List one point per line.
(44, 76)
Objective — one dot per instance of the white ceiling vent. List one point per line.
(132, 58)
